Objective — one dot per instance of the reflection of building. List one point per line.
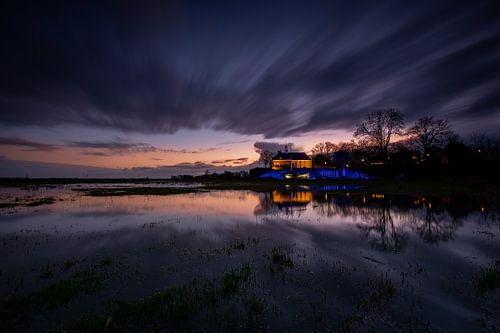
(288, 161)
(291, 197)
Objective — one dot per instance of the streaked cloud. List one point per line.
(27, 144)
(110, 148)
(234, 142)
(232, 161)
(142, 69)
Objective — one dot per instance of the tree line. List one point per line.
(383, 145)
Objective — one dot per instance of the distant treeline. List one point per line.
(384, 146)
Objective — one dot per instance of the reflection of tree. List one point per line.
(265, 205)
(382, 233)
(433, 227)
(384, 220)
(329, 204)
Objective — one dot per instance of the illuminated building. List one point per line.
(290, 161)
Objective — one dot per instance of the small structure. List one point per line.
(291, 161)
(297, 165)
(314, 174)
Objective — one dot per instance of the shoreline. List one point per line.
(416, 186)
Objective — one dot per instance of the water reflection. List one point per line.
(385, 221)
(339, 242)
(382, 232)
(434, 225)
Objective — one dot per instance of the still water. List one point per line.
(351, 261)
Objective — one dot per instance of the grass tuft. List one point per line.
(280, 259)
(490, 278)
(382, 291)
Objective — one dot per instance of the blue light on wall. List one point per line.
(314, 174)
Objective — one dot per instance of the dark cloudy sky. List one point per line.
(153, 84)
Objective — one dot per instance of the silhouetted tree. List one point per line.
(428, 132)
(378, 127)
(326, 149)
(486, 146)
(321, 160)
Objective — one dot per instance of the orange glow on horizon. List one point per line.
(237, 155)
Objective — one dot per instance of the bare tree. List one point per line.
(378, 127)
(428, 132)
(488, 146)
(325, 148)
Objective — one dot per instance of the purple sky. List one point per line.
(180, 87)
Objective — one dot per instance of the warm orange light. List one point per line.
(288, 164)
(279, 197)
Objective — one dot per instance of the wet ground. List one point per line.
(285, 260)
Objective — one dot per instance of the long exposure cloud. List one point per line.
(249, 68)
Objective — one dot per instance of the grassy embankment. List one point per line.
(421, 186)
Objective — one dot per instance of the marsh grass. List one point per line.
(174, 307)
(256, 306)
(14, 307)
(238, 245)
(69, 263)
(47, 271)
(28, 202)
(40, 202)
(366, 316)
(106, 261)
(382, 290)
(9, 204)
(65, 290)
(489, 279)
(280, 259)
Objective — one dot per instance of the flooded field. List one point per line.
(291, 259)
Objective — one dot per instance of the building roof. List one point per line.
(291, 156)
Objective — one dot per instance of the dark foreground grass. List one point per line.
(489, 279)
(15, 307)
(280, 259)
(172, 308)
(382, 290)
